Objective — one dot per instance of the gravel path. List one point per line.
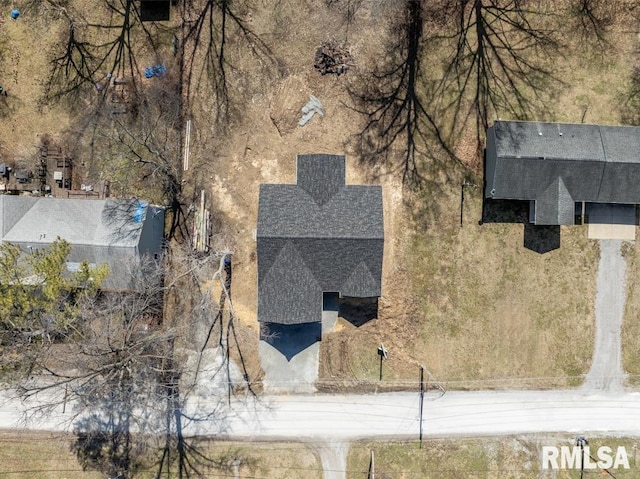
(333, 457)
(606, 372)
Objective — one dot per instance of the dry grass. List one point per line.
(515, 457)
(631, 324)
(28, 455)
(26, 43)
(481, 310)
(471, 304)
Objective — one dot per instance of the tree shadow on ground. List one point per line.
(398, 122)
(104, 442)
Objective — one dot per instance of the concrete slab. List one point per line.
(297, 375)
(608, 221)
(330, 309)
(611, 232)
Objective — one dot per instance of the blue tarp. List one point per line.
(15, 13)
(155, 71)
(138, 216)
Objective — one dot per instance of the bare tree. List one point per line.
(97, 45)
(122, 371)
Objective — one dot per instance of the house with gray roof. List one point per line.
(315, 237)
(560, 167)
(116, 232)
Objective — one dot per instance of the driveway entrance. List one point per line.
(608, 221)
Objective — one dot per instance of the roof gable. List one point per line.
(321, 176)
(328, 231)
(590, 163)
(361, 283)
(289, 292)
(555, 206)
(99, 231)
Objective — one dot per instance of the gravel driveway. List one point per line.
(606, 372)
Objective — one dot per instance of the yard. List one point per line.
(50, 456)
(470, 303)
(517, 457)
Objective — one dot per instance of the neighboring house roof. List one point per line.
(116, 232)
(558, 164)
(319, 235)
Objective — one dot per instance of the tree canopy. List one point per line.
(39, 298)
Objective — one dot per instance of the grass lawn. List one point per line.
(30, 455)
(631, 322)
(515, 457)
(471, 303)
(478, 309)
(41, 455)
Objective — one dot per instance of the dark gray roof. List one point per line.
(115, 232)
(557, 164)
(317, 236)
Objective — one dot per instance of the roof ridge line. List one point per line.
(604, 154)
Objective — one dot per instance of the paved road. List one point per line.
(606, 372)
(337, 420)
(344, 418)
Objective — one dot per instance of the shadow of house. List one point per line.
(541, 239)
(155, 10)
(291, 339)
(317, 237)
(119, 233)
(557, 169)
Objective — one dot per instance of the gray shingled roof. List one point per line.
(558, 164)
(116, 232)
(317, 236)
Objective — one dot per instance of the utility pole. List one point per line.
(421, 400)
(581, 441)
(382, 352)
(372, 472)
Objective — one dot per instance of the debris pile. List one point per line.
(332, 58)
(312, 107)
